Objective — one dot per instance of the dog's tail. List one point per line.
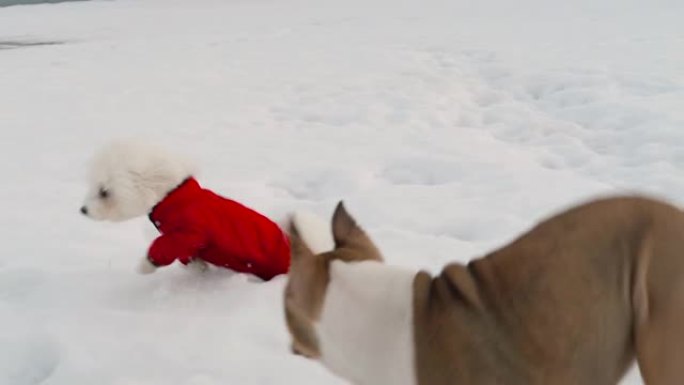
(313, 230)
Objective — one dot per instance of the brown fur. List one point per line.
(571, 302)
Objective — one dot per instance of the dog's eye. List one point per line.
(103, 193)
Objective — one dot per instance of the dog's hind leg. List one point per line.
(659, 311)
(660, 347)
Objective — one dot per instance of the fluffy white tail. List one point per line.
(314, 231)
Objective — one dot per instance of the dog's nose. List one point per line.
(84, 210)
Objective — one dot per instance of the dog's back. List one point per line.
(567, 303)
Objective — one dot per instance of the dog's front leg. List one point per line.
(146, 266)
(197, 265)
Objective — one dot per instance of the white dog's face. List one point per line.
(127, 179)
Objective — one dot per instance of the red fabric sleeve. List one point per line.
(277, 262)
(178, 245)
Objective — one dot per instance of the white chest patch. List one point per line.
(366, 327)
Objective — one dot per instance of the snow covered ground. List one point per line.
(449, 127)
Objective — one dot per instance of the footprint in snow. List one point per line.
(27, 357)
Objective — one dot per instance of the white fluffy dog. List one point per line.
(127, 179)
(196, 225)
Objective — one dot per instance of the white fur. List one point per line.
(314, 231)
(146, 267)
(366, 327)
(135, 176)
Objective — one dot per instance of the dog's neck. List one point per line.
(175, 191)
(366, 326)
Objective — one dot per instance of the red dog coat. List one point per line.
(196, 223)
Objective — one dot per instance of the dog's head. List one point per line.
(126, 179)
(310, 273)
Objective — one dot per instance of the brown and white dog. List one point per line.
(571, 302)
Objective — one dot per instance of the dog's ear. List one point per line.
(304, 338)
(347, 234)
(298, 248)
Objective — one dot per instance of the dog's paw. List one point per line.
(146, 267)
(197, 266)
(254, 279)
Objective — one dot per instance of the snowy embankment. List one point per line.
(448, 128)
